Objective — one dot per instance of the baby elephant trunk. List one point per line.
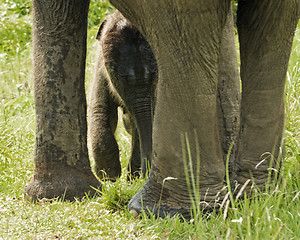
(143, 116)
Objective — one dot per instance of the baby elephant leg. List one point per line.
(102, 122)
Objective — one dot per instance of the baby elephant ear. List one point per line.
(100, 29)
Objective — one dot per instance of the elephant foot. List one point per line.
(109, 168)
(151, 199)
(248, 183)
(156, 199)
(64, 182)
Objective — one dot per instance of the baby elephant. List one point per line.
(126, 76)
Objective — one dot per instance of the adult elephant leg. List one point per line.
(62, 167)
(266, 30)
(185, 38)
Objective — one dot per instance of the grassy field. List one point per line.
(275, 215)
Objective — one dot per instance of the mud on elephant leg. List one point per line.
(62, 167)
(266, 32)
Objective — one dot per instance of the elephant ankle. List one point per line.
(66, 183)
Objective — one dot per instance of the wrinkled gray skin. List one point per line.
(126, 76)
(185, 37)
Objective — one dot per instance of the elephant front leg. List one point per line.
(62, 167)
(102, 123)
(265, 31)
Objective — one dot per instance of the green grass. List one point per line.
(275, 215)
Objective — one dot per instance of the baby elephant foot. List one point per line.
(108, 167)
(66, 183)
(108, 174)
